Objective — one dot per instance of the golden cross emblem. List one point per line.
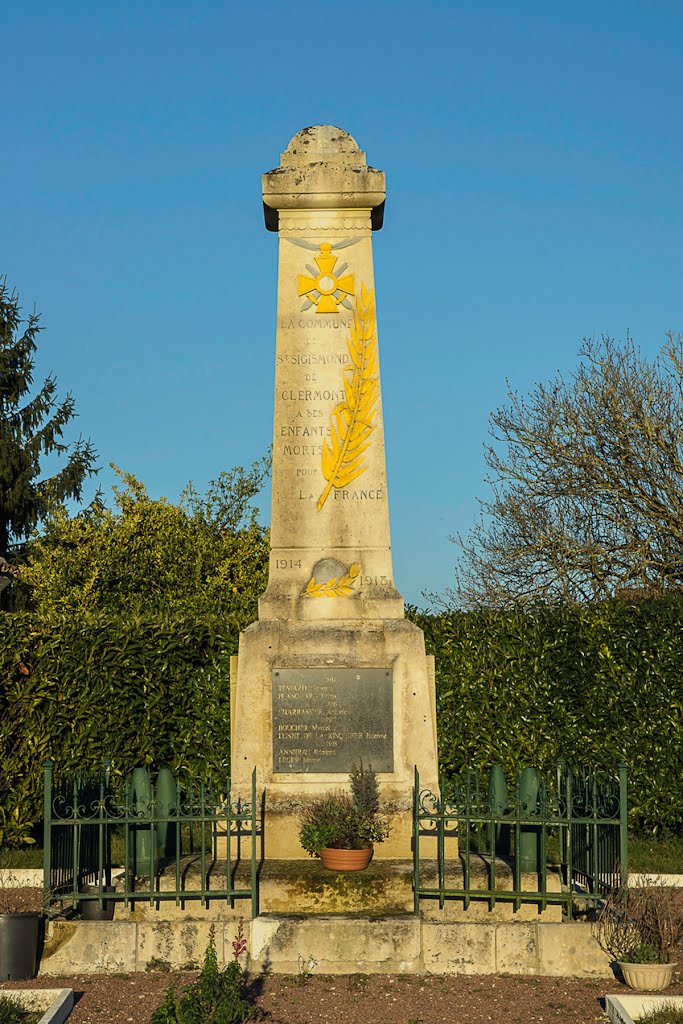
(325, 289)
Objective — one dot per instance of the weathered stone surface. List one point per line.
(480, 879)
(55, 1004)
(321, 527)
(191, 879)
(624, 1009)
(306, 887)
(323, 168)
(516, 949)
(331, 944)
(459, 948)
(570, 949)
(175, 945)
(393, 643)
(89, 947)
(336, 945)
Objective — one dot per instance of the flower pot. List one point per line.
(646, 977)
(18, 946)
(90, 910)
(345, 860)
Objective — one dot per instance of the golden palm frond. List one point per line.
(337, 586)
(351, 421)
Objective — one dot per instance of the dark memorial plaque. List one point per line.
(327, 720)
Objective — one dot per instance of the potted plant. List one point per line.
(341, 829)
(640, 928)
(19, 932)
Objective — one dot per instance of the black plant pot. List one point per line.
(18, 946)
(91, 910)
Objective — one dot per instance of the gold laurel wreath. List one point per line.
(337, 586)
(351, 421)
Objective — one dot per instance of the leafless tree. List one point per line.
(586, 475)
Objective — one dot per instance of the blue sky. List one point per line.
(533, 158)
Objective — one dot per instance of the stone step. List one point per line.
(306, 888)
(328, 944)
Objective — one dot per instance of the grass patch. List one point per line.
(20, 857)
(664, 1014)
(656, 853)
(12, 1012)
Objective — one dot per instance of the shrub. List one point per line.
(216, 997)
(594, 684)
(341, 822)
(640, 925)
(148, 691)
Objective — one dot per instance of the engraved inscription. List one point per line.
(327, 720)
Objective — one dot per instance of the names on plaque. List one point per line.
(327, 720)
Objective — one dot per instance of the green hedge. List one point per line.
(594, 684)
(151, 690)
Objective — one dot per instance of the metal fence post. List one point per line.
(416, 841)
(47, 837)
(254, 879)
(623, 821)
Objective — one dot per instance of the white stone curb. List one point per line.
(675, 881)
(59, 1002)
(628, 1009)
(30, 878)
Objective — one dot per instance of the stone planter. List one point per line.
(346, 860)
(646, 977)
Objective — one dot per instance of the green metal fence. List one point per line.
(544, 841)
(197, 842)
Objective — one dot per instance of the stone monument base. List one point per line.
(333, 728)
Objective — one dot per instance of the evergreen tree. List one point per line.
(30, 428)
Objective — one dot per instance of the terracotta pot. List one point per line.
(346, 860)
(647, 977)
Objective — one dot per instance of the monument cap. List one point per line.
(322, 142)
(323, 169)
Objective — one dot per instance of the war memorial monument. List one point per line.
(331, 674)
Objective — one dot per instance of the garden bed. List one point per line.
(359, 999)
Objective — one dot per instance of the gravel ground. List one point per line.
(21, 901)
(358, 999)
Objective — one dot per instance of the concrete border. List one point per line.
(29, 878)
(340, 944)
(629, 1009)
(58, 1002)
(648, 878)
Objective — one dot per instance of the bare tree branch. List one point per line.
(586, 477)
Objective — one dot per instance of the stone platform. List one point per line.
(329, 944)
(334, 923)
(385, 888)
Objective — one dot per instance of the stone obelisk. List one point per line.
(332, 673)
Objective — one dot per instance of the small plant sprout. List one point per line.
(239, 943)
(307, 965)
